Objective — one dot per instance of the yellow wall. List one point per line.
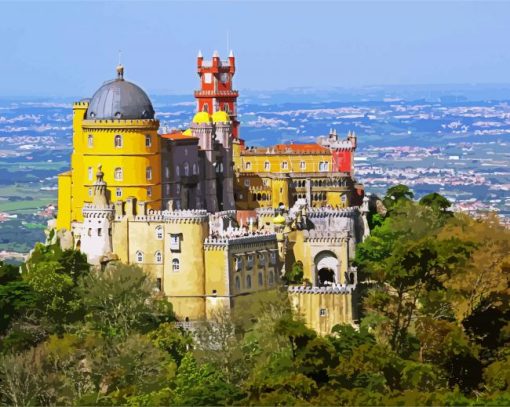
(255, 163)
(133, 157)
(64, 201)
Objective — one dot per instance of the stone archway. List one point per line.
(326, 268)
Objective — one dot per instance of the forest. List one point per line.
(434, 329)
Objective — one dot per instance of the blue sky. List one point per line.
(70, 48)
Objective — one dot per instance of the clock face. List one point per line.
(224, 77)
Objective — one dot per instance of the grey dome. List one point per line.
(120, 99)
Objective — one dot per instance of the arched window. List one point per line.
(267, 166)
(177, 171)
(118, 192)
(149, 191)
(148, 140)
(175, 265)
(186, 169)
(271, 278)
(158, 257)
(139, 256)
(167, 172)
(247, 166)
(261, 280)
(117, 174)
(226, 108)
(159, 232)
(118, 140)
(238, 283)
(205, 108)
(195, 169)
(90, 140)
(91, 173)
(248, 282)
(148, 173)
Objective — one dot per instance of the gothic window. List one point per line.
(248, 282)
(186, 169)
(158, 257)
(148, 140)
(267, 166)
(90, 140)
(118, 192)
(271, 278)
(175, 265)
(238, 283)
(148, 173)
(117, 174)
(91, 173)
(159, 232)
(261, 280)
(118, 140)
(139, 256)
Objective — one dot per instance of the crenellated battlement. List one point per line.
(334, 213)
(255, 239)
(121, 123)
(343, 289)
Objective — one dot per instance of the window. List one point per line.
(148, 173)
(239, 264)
(226, 108)
(248, 282)
(249, 261)
(195, 169)
(118, 192)
(149, 191)
(262, 259)
(158, 257)
(323, 312)
(175, 242)
(302, 165)
(267, 166)
(272, 257)
(90, 141)
(205, 107)
(261, 280)
(175, 265)
(158, 284)
(91, 173)
(185, 151)
(167, 189)
(139, 257)
(186, 169)
(285, 165)
(265, 182)
(159, 232)
(148, 140)
(238, 283)
(90, 191)
(271, 278)
(118, 140)
(89, 232)
(99, 232)
(177, 171)
(344, 198)
(323, 166)
(247, 166)
(246, 182)
(117, 174)
(207, 79)
(167, 172)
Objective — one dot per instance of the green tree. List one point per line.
(397, 195)
(436, 202)
(295, 274)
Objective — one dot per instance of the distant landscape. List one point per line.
(454, 140)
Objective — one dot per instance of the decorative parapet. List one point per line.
(334, 289)
(212, 243)
(329, 212)
(184, 215)
(317, 236)
(265, 212)
(120, 123)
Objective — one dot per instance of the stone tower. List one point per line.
(96, 234)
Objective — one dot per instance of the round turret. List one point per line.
(202, 117)
(220, 117)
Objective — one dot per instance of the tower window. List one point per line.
(148, 140)
(158, 257)
(175, 265)
(208, 78)
(148, 173)
(90, 140)
(149, 191)
(226, 108)
(118, 140)
(118, 192)
(91, 173)
(247, 165)
(90, 191)
(117, 174)
(159, 233)
(205, 107)
(267, 165)
(139, 256)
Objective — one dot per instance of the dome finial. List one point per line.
(120, 72)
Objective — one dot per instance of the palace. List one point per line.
(209, 218)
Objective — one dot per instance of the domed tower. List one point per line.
(115, 129)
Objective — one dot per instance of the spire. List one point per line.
(199, 54)
(215, 54)
(231, 55)
(100, 197)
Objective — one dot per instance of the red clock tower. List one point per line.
(216, 91)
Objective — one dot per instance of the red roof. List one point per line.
(177, 135)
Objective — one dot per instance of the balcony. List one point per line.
(216, 93)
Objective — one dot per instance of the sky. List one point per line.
(71, 48)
